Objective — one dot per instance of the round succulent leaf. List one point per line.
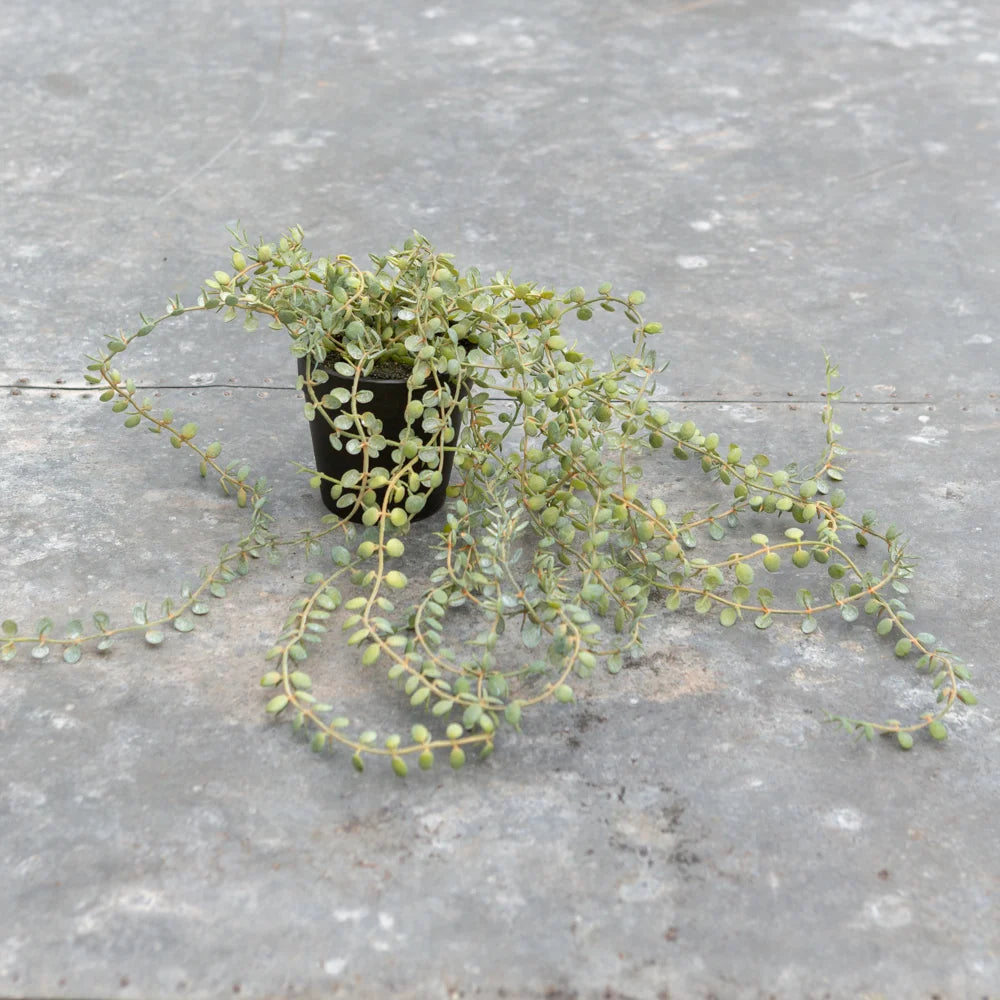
(276, 704)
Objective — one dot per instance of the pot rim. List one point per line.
(387, 379)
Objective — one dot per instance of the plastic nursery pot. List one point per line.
(388, 403)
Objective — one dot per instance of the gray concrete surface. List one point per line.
(779, 177)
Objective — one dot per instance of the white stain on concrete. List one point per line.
(509, 900)
(641, 890)
(334, 966)
(23, 799)
(10, 954)
(138, 900)
(889, 912)
(745, 413)
(846, 819)
(691, 262)
(929, 434)
(724, 90)
(979, 338)
(906, 24)
(282, 137)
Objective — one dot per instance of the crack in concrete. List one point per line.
(734, 400)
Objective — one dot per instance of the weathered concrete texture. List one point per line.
(779, 178)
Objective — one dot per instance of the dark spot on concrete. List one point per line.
(65, 85)
(586, 718)
(682, 856)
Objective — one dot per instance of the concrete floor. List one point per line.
(779, 177)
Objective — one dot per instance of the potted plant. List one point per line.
(548, 533)
(385, 418)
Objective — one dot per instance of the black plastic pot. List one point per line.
(388, 403)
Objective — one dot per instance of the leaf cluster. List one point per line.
(549, 538)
